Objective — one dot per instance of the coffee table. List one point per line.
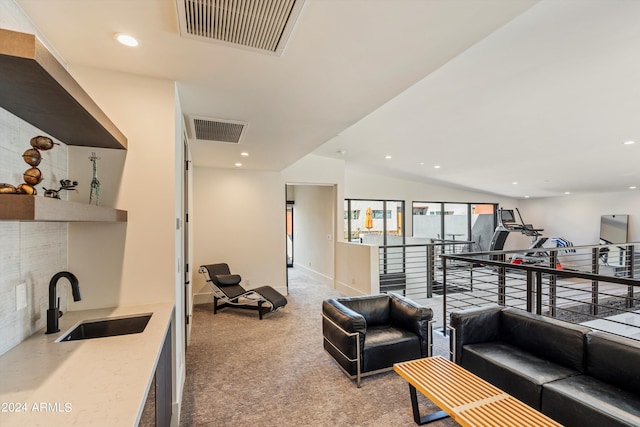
(463, 396)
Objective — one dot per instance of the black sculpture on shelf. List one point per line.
(65, 184)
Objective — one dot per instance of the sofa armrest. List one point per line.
(475, 325)
(341, 326)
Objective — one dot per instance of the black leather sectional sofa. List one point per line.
(574, 375)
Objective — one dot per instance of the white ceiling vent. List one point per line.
(256, 24)
(207, 129)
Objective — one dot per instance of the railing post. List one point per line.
(430, 270)
(530, 291)
(630, 263)
(595, 268)
(553, 281)
(502, 282)
(444, 296)
(539, 292)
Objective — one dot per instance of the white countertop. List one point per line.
(101, 381)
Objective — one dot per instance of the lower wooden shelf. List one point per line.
(22, 207)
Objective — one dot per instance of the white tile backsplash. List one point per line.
(30, 252)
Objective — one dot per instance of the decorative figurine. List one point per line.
(65, 184)
(32, 156)
(7, 188)
(43, 143)
(33, 175)
(95, 184)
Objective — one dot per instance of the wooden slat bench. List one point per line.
(467, 398)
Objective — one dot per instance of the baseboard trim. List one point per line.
(328, 281)
(203, 298)
(349, 290)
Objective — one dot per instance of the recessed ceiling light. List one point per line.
(515, 182)
(421, 163)
(526, 197)
(633, 187)
(567, 192)
(127, 40)
(436, 166)
(238, 164)
(388, 157)
(629, 142)
(244, 154)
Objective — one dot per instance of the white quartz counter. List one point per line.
(93, 382)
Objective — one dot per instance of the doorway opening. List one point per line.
(289, 234)
(311, 227)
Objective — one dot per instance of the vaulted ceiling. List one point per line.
(542, 93)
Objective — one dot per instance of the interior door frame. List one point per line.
(186, 241)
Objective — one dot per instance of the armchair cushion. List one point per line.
(386, 345)
(375, 309)
(405, 314)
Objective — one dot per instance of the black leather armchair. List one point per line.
(368, 334)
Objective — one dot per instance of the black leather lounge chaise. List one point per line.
(226, 288)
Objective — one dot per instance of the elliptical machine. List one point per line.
(507, 224)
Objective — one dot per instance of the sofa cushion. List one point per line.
(551, 339)
(375, 309)
(474, 325)
(585, 401)
(512, 369)
(384, 346)
(614, 360)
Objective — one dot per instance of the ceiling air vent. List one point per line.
(206, 129)
(257, 24)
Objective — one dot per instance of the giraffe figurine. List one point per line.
(95, 184)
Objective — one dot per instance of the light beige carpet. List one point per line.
(242, 371)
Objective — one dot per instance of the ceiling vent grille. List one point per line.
(206, 129)
(257, 24)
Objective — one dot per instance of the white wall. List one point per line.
(134, 262)
(318, 170)
(357, 271)
(577, 217)
(239, 218)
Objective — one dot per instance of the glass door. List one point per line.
(483, 224)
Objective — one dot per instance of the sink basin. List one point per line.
(101, 328)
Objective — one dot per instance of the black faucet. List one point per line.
(53, 313)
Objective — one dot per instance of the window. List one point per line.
(378, 222)
(455, 221)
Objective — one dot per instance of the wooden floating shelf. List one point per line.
(22, 207)
(39, 90)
